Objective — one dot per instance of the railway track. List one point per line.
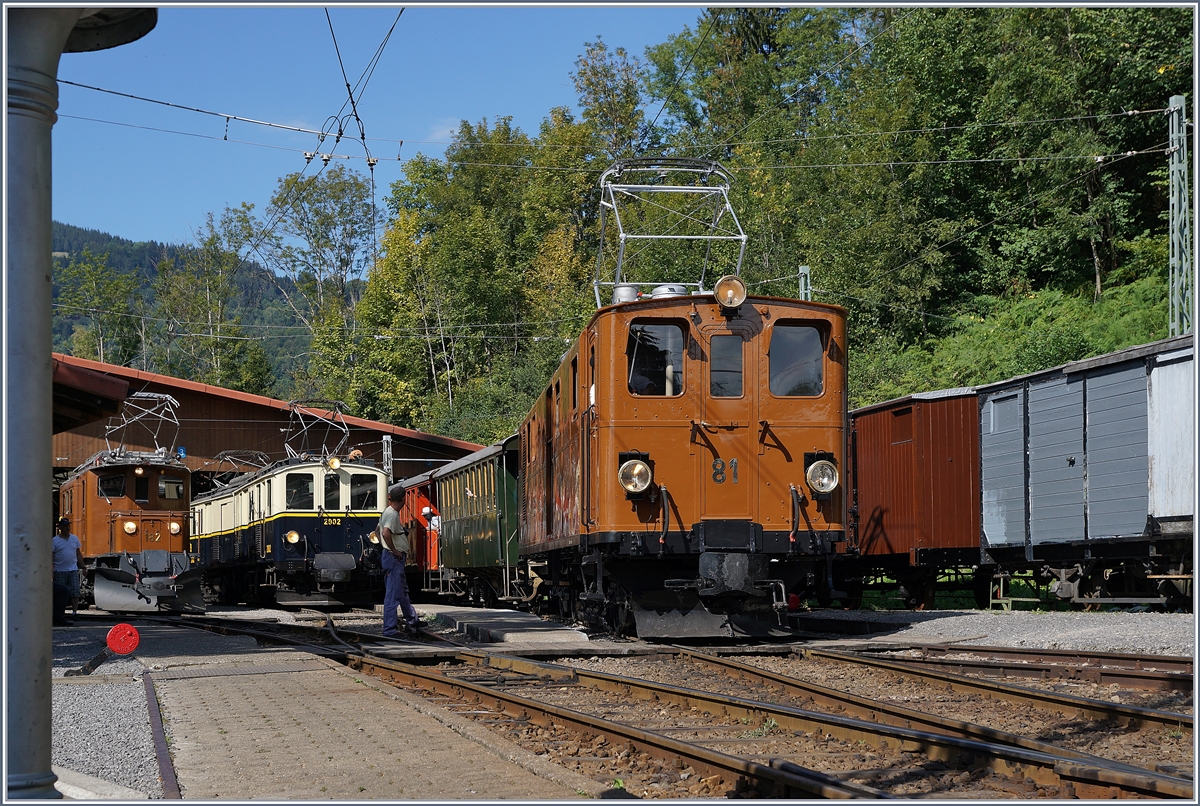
(777, 736)
(1165, 673)
(1083, 707)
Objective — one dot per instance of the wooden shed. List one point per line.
(213, 420)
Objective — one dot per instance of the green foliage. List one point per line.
(1007, 337)
(102, 307)
(966, 182)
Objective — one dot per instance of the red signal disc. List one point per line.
(123, 639)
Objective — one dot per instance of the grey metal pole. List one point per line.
(35, 41)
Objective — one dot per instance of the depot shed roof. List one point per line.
(213, 418)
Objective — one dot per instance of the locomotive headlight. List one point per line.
(822, 476)
(139, 471)
(334, 463)
(174, 528)
(730, 291)
(292, 537)
(130, 527)
(374, 538)
(635, 476)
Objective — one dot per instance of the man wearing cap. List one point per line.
(68, 559)
(394, 537)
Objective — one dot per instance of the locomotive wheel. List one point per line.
(854, 594)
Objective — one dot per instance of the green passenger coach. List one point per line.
(477, 504)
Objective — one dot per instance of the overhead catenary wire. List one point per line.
(536, 146)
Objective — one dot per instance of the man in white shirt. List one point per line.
(394, 537)
(68, 559)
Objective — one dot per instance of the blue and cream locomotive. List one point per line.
(297, 532)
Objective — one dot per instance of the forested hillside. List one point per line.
(984, 190)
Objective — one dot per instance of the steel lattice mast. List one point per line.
(1182, 278)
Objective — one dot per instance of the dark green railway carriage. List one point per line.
(477, 503)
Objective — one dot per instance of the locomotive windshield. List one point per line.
(655, 353)
(299, 487)
(111, 486)
(170, 488)
(333, 491)
(795, 355)
(363, 491)
(726, 366)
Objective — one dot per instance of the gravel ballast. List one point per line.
(1127, 632)
(102, 729)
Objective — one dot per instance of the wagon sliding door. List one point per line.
(1057, 464)
(1118, 469)
(1002, 452)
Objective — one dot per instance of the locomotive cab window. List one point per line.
(364, 491)
(333, 491)
(111, 486)
(655, 353)
(796, 357)
(725, 366)
(141, 489)
(170, 489)
(299, 490)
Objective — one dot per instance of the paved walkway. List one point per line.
(247, 722)
(321, 734)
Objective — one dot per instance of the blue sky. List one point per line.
(441, 65)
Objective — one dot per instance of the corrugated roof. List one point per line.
(257, 400)
(82, 396)
(1128, 354)
(940, 394)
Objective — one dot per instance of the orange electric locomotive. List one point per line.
(682, 472)
(130, 511)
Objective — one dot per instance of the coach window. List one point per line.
(725, 366)
(364, 490)
(299, 489)
(655, 353)
(111, 486)
(796, 356)
(333, 491)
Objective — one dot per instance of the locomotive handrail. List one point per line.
(662, 539)
(795, 515)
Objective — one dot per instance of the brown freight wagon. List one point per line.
(915, 484)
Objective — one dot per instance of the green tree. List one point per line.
(199, 337)
(609, 86)
(105, 306)
(317, 242)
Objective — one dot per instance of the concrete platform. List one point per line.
(500, 626)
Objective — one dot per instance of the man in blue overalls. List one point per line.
(394, 538)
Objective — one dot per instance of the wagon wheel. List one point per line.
(619, 611)
(1091, 587)
(981, 584)
(917, 591)
(854, 593)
